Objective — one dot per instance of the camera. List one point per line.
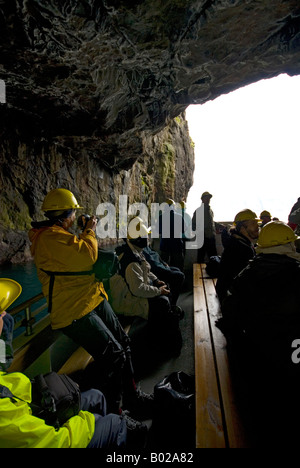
(83, 220)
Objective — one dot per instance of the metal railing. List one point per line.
(30, 314)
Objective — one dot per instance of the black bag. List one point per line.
(106, 265)
(174, 410)
(55, 398)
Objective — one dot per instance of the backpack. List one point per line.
(213, 266)
(106, 265)
(55, 398)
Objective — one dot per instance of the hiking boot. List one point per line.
(139, 403)
(137, 432)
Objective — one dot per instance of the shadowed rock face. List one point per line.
(92, 89)
(113, 69)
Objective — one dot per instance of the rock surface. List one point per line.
(163, 167)
(96, 92)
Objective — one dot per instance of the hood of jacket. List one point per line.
(268, 276)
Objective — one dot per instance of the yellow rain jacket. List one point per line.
(19, 429)
(55, 249)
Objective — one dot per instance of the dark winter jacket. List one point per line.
(264, 306)
(236, 255)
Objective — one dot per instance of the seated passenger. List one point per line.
(172, 276)
(265, 217)
(262, 321)
(264, 298)
(77, 301)
(91, 428)
(136, 291)
(238, 250)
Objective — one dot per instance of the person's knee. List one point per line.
(116, 356)
(159, 311)
(118, 429)
(164, 303)
(110, 432)
(177, 277)
(93, 401)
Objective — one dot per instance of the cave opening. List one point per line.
(246, 149)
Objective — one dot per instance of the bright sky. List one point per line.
(247, 150)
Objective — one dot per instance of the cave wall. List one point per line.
(96, 92)
(29, 170)
(112, 69)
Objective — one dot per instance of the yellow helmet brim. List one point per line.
(10, 290)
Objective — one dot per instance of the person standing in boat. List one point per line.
(209, 247)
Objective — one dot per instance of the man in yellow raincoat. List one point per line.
(20, 429)
(77, 301)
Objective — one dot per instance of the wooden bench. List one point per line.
(218, 420)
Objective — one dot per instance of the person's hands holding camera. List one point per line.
(92, 223)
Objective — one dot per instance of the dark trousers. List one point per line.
(172, 276)
(164, 324)
(209, 248)
(110, 429)
(159, 312)
(101, 334)
(173, 258)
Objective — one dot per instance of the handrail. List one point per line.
(29, 318)
(15, 310)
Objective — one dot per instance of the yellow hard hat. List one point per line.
(245, 215)
(60, 199)
(276, 233)
(10, 290)
(265, 213)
